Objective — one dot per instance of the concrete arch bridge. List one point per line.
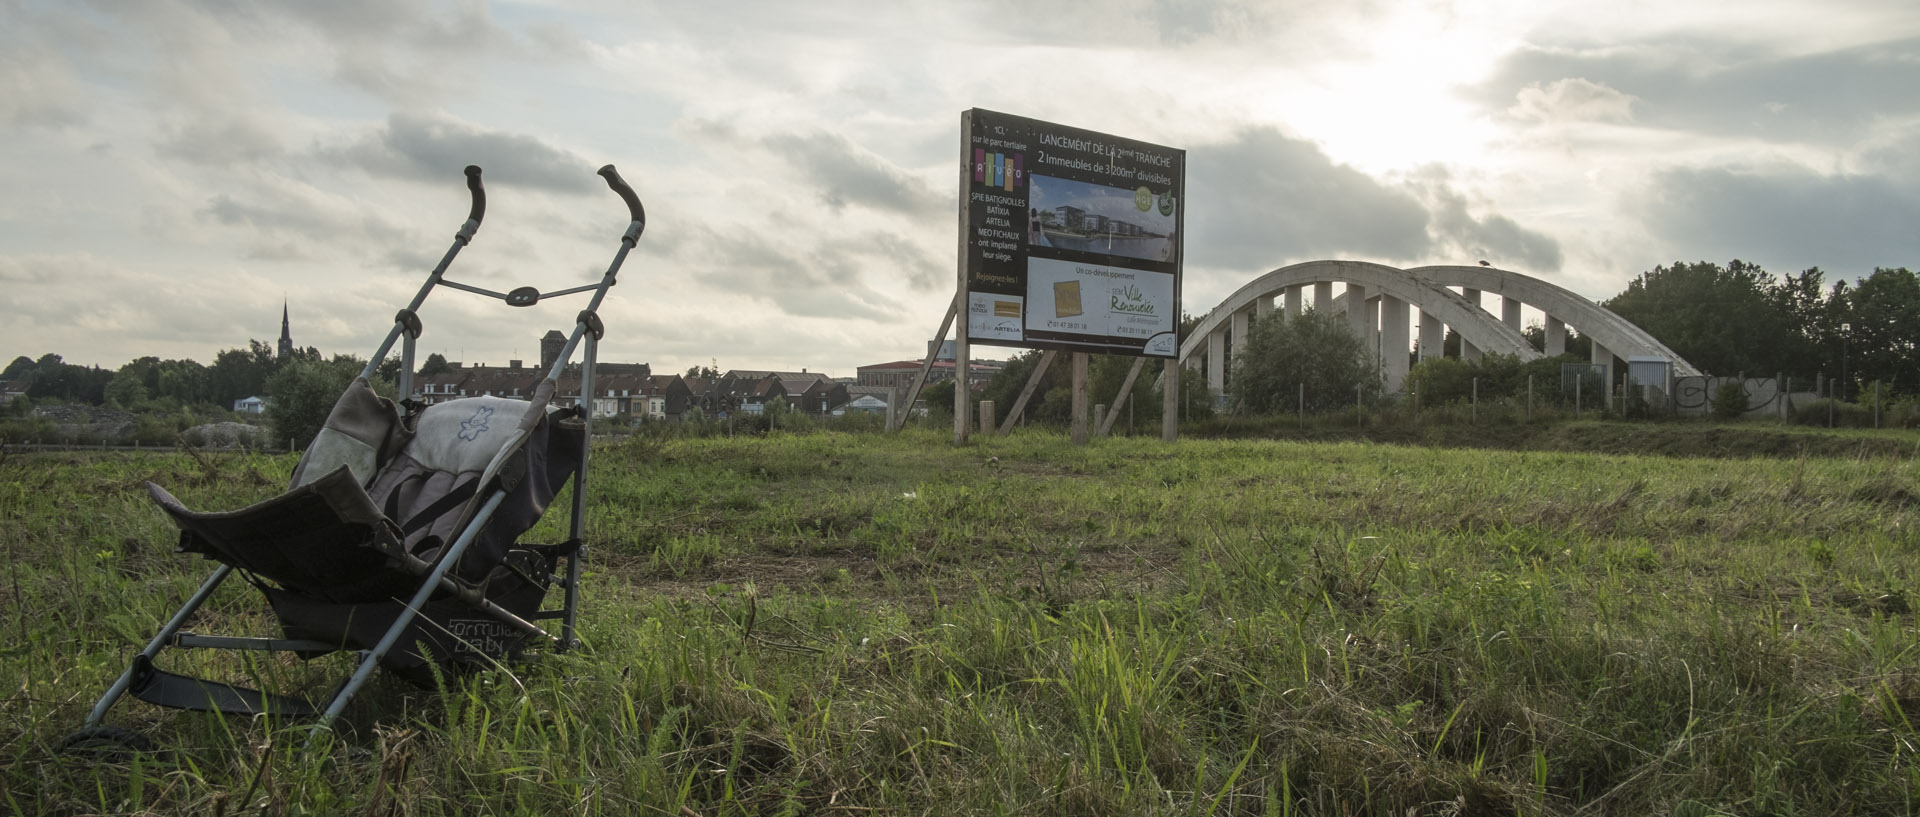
(1379, 301)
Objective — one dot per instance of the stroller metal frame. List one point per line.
(167, 689)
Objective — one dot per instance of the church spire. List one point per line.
(286, 333)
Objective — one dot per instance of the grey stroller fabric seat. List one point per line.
(333, 556)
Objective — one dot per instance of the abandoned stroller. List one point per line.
(397, 537)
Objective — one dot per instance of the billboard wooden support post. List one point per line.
(962, 390)
(962, 393)
(1080, 397)
(1170, 400)
(1033, 382)
(1126, 391)
(913, 392)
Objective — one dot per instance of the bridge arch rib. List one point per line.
(1473, 323)
(1426, 287)
(1616, 334)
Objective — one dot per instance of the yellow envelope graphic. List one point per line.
(1066, 299)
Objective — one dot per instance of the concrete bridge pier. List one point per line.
(1602, 356)
(1468, 351)
(1240, 324)
(1433, 336)
(1393, 341)
(1372, 337)
(1357, 312)
(1293, 299)
(1217, 363)
(1556, 336)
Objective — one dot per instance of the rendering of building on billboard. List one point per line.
(1072, 238)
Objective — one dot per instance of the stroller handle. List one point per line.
(479, 210)
(620, 186)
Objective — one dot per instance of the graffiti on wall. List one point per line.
(1765, 395)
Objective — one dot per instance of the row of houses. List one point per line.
(633, 391)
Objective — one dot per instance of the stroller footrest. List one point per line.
(223, 642)
(161, 688)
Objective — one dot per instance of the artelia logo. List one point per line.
(1130, 300)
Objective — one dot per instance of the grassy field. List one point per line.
(857, 624)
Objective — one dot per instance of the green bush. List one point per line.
(1729, 400)
(302, 393)
(155, 429)
(1843, 414)
(28, 429)
(1441, 380)
(1315, 351)
(1902, 413)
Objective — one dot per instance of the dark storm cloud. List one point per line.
(1179, 23)
(1456, 230)
(406, 53)
(820, 281)
(421, 146)
(36, 90)
(848, 174)
(221, 143)
(1898, 157)
(1787, 218)
(286, 221)
(38, 84)
(436, 27)
(1497, 236)
(31, 269)
(1264, 198)
(904, 260)
(1704, 86)
(199, 311)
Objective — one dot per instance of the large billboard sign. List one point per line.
(1072, 238)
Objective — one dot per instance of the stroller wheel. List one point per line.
(106, 741)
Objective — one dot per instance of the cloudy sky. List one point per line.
(172, 170)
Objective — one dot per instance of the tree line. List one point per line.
(1740, 319)
(152, 384)
(299, 387)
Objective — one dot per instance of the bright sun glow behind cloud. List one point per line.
(1398, 105)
